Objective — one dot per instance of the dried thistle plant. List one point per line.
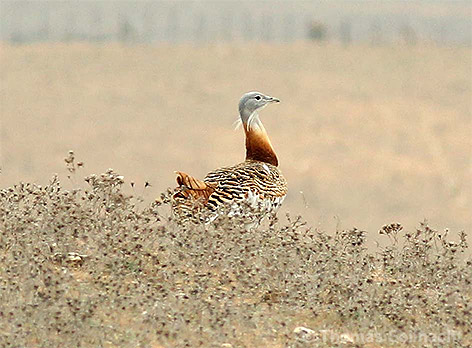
(92, 267)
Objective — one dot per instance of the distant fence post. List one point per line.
(248, 26)
(289, 28)
(267, 28)
(173, 24)
(44, 31)
(227, 26)
(345, 32)
(96, 32)
(200, 28)
(148, 23)
(70, 26)
(376, 35)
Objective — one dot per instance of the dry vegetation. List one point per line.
(94, 267)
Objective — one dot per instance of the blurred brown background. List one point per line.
(374, 125)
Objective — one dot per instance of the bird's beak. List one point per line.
(273, 100)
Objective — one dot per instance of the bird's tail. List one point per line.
(194, 188)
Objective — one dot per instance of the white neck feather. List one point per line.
(253, 123)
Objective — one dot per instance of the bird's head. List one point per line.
(253, 101)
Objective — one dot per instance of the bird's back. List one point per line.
(251, 181)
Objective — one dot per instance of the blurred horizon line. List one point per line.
(434, 21)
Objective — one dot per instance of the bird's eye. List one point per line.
(258, 97)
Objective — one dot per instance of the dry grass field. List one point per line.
(366, 136)
(93, 268)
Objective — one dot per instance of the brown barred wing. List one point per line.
(249, 180)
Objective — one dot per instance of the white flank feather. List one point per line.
(238, 123)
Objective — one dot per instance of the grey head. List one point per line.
(253, 101)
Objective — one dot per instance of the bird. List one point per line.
(256, 182)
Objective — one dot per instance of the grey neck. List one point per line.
(245, 114)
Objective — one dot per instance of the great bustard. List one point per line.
(256, 181)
